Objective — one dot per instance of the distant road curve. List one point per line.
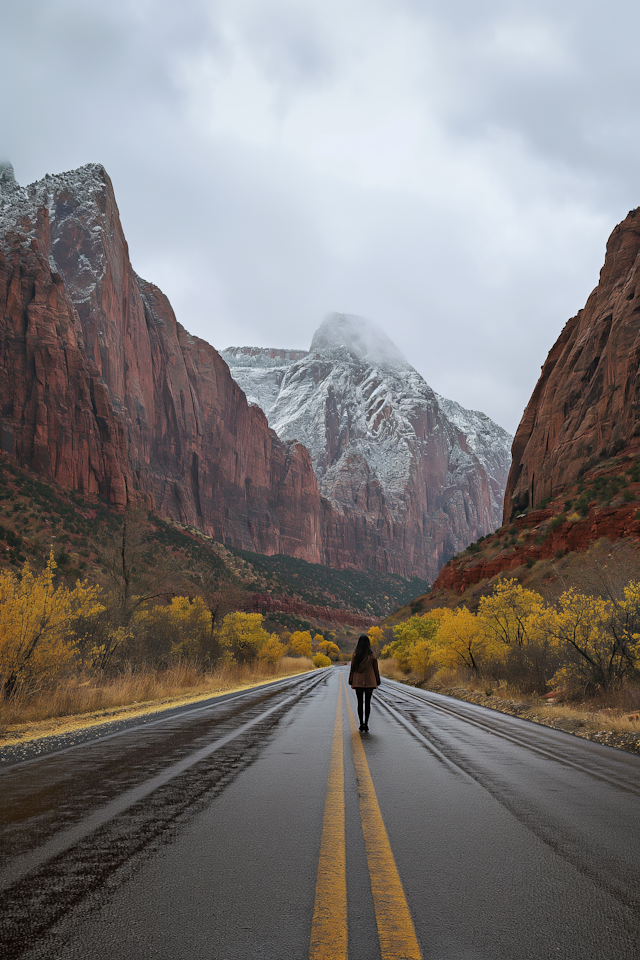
(264, 825)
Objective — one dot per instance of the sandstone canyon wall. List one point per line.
(103, 391)
(586, 404)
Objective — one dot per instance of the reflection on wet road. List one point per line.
(251, 826)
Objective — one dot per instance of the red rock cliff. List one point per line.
(586, 404)
(103, 391)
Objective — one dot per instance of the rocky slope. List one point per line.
(415, 475)
(103, 391)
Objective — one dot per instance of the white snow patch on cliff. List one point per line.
(70, 197)
(355, 395)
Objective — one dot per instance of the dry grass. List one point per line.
(389, 668)
(616, 712)
(93, 697)
(591, 720)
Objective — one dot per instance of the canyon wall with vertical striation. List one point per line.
(575, 477)
(104, 392)
(586, 404)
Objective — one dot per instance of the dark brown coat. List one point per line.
(367, 674)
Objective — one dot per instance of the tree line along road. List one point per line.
(264, 825)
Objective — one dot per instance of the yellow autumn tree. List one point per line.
(596, 652)
(463, 642)
(242, 636)
(177, 629)
(509, 614)
(99, 655)
(329, 649)
(376, 635)
(300, 644)
(517, 619)
(37, 616)
(271, 650)
(627, 626)
(414, 644)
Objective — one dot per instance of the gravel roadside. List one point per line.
(533, 710)
(32, 740)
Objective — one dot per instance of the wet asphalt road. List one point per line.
(198, 836)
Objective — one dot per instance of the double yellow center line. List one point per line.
(329, 929)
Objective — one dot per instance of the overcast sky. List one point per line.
(450, 170)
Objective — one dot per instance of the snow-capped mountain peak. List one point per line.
(381, 441)
(343, 333)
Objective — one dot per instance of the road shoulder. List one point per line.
(537, 712)
(29, 740)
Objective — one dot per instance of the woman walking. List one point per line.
(364, 677)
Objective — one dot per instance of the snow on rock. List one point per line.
(265, 370)
(71, 201)
(369, 420)
(490, 443)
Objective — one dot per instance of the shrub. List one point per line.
(271, 650)
(321, 661)
(37, 618)
(242, 635)
(582, 505)
(558, 520)
(300, 644)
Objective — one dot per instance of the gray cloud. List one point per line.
(451, 170)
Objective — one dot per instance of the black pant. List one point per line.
(364, 693)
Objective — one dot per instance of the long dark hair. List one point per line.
(363, 649)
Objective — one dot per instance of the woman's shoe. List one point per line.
(362, 726)
(366, 728)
